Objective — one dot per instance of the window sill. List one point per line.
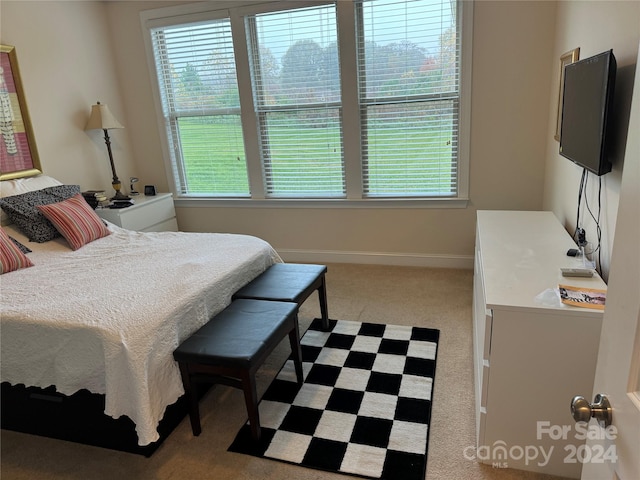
(188, 202)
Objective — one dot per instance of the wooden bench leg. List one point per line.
(324, 311)
(192, 399)
(251, 400)
(294, 341)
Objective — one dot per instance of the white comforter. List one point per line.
(108, 316)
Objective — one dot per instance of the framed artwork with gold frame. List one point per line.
(567, 58)
(18, 152)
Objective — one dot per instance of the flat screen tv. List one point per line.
(586, 105)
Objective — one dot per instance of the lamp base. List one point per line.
(117, 186)
(120, 196)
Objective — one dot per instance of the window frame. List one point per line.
(355, 196)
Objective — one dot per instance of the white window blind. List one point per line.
(196, 70)
(408, 70)
(295, 78)
(396, 134)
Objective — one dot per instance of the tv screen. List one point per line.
(588, 94)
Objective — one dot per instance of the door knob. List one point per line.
(600, 409)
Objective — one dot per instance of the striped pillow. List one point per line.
(75, 220)
(11, 257)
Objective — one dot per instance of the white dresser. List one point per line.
(529, 359)
(148, 214)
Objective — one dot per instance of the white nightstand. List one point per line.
(147, 214)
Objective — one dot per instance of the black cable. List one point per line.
(598, 229)
(580, 191)
(596, 220)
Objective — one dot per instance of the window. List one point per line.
(201, 108)
(295, 78)
(353, 100)
(408, 86)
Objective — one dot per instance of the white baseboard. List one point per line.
(373, 258)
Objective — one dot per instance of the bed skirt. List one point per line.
(79, 418)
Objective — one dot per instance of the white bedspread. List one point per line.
(108, 316)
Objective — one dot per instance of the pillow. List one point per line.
(24, 185)
(22, 210)
(75, 220)
(11, 258)
(20, 246)
(9, 188)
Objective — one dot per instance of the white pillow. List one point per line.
(17, 186)
(28, 184)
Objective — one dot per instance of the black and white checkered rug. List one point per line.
(364, 408)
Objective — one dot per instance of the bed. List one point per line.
(107, 316)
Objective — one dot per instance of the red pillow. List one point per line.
(75, 220)
(11, 257)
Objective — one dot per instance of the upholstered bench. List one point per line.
(289, 282)
(231, 347)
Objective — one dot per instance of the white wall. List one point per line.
(511, 86)
(594, 26)
(66, 61)
(74, 53)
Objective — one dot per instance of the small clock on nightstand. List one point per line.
(147, 214)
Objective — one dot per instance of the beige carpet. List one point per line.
(436, 298)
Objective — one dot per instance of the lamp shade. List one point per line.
(101, 118)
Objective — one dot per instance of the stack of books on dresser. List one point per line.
(96, 198)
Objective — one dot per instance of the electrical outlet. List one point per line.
(582, 237)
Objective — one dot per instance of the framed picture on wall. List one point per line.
(567, 58)
(18, 153)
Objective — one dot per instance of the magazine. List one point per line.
(583, 297)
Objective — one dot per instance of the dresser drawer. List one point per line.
(166, 226)
(147, 214)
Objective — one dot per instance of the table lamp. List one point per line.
(102, 119)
